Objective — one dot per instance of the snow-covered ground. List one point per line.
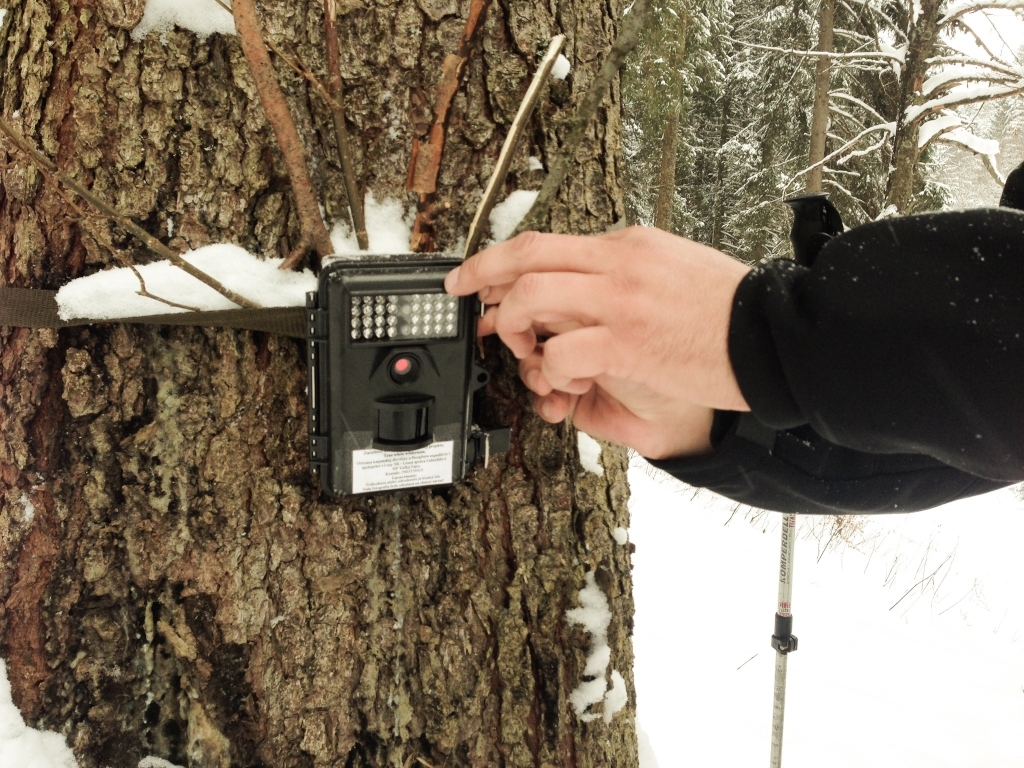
(911, 640)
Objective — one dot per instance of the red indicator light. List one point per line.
(402, 366)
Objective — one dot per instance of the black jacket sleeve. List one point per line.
(899, 354)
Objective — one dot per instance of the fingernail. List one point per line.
(531, 379)
(451, 279)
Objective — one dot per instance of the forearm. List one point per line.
(906, 337)
(798, 471)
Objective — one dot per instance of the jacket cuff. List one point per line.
(752, 345)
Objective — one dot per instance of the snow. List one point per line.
(934, 127)
(617, 696)
(113, 293)
(535, 164)
(621, 536)
(560, 69)
(932, 680)
(156, 762)
(974, 143)
(590, 453)
(28, 509)
(647, 758)
(594, 615)
(388, 228)
(959, 9)
(507, 214)
(26, 747)
(204, 17)
(3, 15)
(958, 96)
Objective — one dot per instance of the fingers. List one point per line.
(578, 356)
(555, 407)
(505, 262)
(531, 374)
(544, 300)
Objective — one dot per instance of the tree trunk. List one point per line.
(819, 112)
(170, 581)
(923, 37)
(667, 177)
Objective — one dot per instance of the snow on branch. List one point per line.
(889, 128)
(986, 149)
(111, 294)
(892, 55)
(854, 100)
(952, 78)
(947, 121)
(962, 9)
(997, 65)
(962, 97)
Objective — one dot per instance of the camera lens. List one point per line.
(404, 368)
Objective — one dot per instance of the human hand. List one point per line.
(638, 324)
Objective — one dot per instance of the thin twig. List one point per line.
(624, 43)
(818, 54)
(280, 118)
(44, 164)
(146, 294)
(337, 91)
(519, 124)
(302, 72)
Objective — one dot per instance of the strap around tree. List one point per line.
(32, 308)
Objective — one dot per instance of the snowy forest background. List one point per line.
(736, 79)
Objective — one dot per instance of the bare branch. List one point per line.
(519, 124)
(627, 39)
(986, 159)
(336, 87)
(145, 293)
(889, 127)
(977, 39)
(854, 100)
(45, 165)
(997, 65)
(919, 112)
(879, 55)
(957, 11)
(278, 115)
(302, 72)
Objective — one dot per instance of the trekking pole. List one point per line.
(783, 641)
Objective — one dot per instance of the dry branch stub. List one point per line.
(515, 131)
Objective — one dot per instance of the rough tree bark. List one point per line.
(667, 176)
(170, 582)
(819, 111)
(921, 43)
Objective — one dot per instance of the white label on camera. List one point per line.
(374, 470)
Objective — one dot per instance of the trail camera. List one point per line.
(392, 376)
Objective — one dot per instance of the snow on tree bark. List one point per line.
(181, 590)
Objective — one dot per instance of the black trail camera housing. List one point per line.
(392, 376)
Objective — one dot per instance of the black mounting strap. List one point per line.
(32, 308)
